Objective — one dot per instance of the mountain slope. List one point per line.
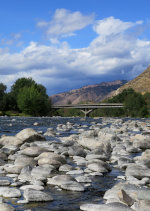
(91, 93)
(140, 84)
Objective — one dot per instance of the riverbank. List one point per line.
(75, 164)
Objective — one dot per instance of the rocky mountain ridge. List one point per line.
(91, 93)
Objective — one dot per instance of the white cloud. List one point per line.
(112, 26)
(64, 23)
(60, 67)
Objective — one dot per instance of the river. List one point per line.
(63, 200)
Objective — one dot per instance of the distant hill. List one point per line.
(140, 84)
(91, 93)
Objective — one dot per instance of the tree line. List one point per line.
(25, 96)
(135, 105)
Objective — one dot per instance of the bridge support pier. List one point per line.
(86, 112)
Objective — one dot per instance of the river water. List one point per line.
(63, 200)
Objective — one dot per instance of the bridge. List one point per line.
(88, 108)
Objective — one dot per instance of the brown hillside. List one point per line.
(140, 84)
(91, 93)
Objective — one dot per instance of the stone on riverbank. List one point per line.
(33, 187)
(36, 196)
(42, 172)
(29, 135)
(116, 206)
(50, 156)
(137, 171)
(60, 180)
(10, 140)
(32, 151)
(73, 186)
(98, 166)
(6, 207)
(10, 192)
(23, 160)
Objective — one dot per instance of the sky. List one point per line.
(67, 44)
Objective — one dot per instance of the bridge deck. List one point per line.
(90, 106)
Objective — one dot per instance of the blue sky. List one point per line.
(66, 44)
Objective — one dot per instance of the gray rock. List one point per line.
(98, 166)
(96, 174)
(75, 172)
(141, 141)
(135, 181)
(32, 151)
(10, 140)
(95, 142)
(3, 156)
(73, 186)
(83, 179)
(108, 207)
(142, 205)
(29, 135)
(2, 162)
(124, 161)
(65, 168)
(6, 207)
(50, 132)
(25, 174)
(5, 181)
(135, 192)
(35, 195)
(9, 192)
(125, 198)
(41, 172)
(97, 156)
(12, 169)
(23, 160)
(37, 182)
(9, 149)
(34, 187)
(76, 151)
(49, 161)
(137, 171)
(16, 184)
(12, 175)
(60, 180)
(50, 156)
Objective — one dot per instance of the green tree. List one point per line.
(147, 100)
(135, 105)
(17, 86)
(3, 97)
(120, 98)
(2, 89)
(20, 83)
(31, 101)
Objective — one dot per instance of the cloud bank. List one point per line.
(115, 53)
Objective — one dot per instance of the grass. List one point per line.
(13, 113)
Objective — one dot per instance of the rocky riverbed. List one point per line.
(91, 165)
